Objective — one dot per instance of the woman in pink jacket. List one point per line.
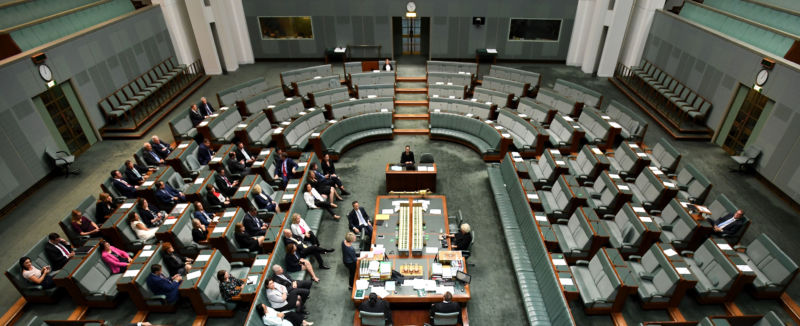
(117, 260)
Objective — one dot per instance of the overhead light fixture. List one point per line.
(411, 14)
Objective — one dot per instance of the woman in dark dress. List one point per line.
(295, 264)
(244, 240)
(104, 208)
(199, 231)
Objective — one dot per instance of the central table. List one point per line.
(400, 179)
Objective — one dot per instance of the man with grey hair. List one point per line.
(205, 108)
(160, 148)
(300, 287)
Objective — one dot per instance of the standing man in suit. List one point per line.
(407, 158)
(151, 157)
(168, 196)
(285, 169)
(206, 107)
(160, 148)
(359, 220)
(376, 304)
(204, 152)
(253, 225)
(58, 251)
(159, 284)
(729, 224)
(225, 185)
(122, 186)
(446, 306)
(243, 155)
(134, 173)
(195, 115)
(301, 287)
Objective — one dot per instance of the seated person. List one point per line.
(264, 201)
(328, 168)
(387, 66)
(446, 306)
(237, 166)
(160, 284)
(58, 251)
(150, 217)
(376, 304)
(285, 168)
(290, 283)
(359, 220)
(216, 198)
(159, 147)
(225, 185)
(301, 230)
(83, 226)
(204, 152)
(229, 286)
(123, 187)
(305, 250)
(271, 317)
(462, 239)
(407, 158)
(246, 241)
(116, 259)
(36, 276)
(199, 231)
(201, 215)
(151, 157)
(104, 208)
(243, 156)
(331, 180)
(295, 264)
(168, 196)
(314, 200)
(280, 298)
(324, 187)
(195, 115)
(141, 230)
(253, 224)
(729, 224)
(134, 173)
(176, 264)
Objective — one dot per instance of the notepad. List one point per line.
(559, 262)
(243, 189)
(560, 163)
(372, 96)
(170, 221)
(362, 284)
(216, 159)
(683, 270)
(645, 219)
(261, 262)
(184, 145)
(615, 125)
(229, 213)
(148, 183)
(623, 187)
(565, 281)
(126, 205)
(642, 154)
(199, 181)
(131, 273)
(387, 211)
(431, 250)
(291, 186)
(540, 218)
(287, 196)
(744, 268)
(724, 246)
(670, 252)
(194, 275)
(639, 209)
(605, 117)
(597, 151)
(314, 134)
(201, 258)
(258, 163)
(218, 229)
(203, 124)
(533, 196)
(669, 184)
(435, 211)
(395, 168)
(146, 253)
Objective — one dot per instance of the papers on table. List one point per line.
(317, 77)
(261, 262)
(362, 284)
(146, 253)
(633, 145)
(277, 130)
(445, 289)
(229, 213)
(435, 95)
(287, 196)
(560, 163)
(645, 219)
(216, 159)
(614, 176)
(597, 151)
(639, 209)
(126, 205)
(381, 217)
(302, 164)
(384, 110)
(492, 51)
(131, 273)
(605, 117)
(264, 152)
(540, 218)
(291, 186)
(555, 151)
(449, 83)
(201, 258)
(425, 168)
(203, 124)
(533, 196)
(390, 286)
(469, 115)
(199, 181)
(148, 247)
(184, 145)
(170, 221)
(431, 250)
(498, 127)
(258, 163)
(565, 281)
(387, 211)
(559, 262)
(396, 168)
(683, 270)
(243, 189)
(642, 154)
(380, 291)
(623, 187)
(148, 183)
(339, 50)
(218, 229)
(523, 115)
(703, 209)
(452, 96)
(301, 113)
(194, 275)
(724, 246)
(285, 123)
(181, 207)
(242, 125)
(461, 73)
(270, 106)
(474, 100)
(252, 279)
(506, 135)
(568, 119)
(439, 83)
(436, 211)
(489, 103)
(670, 252)
(669, 184)
(614, 124)
(372, 96)
(744, 268)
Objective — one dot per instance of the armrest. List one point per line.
(682, 187)
(65, 153)
(545, 187)
(562, 221)
(582, 262)
(635, 257)
(646, 277)
(160, 297)
(687, 253)
(215, 208)
(666, 227)
(655, 212)
(671, 175)
(235, 176)
(237, 264)
(630, 179)
(187, 180)
(194, 174)
(588, 183)
(35, 288)
(119, 200)
(608, 216)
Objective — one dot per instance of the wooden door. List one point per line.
(65, 120)
(745, 122)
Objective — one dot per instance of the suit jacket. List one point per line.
(204, 154)
(283, 281)
(380, 306)
(203, 219)
(246, 241)
(446, 307)
(252, 225)
(290, 164)
(732, 228)
(462, 240)
(213, 200)
(55, 257)
(405, 158)
(223, 186)
(327, 167)
(112, 262)
(162, 285)
(353, 218)
(205, 109)
(166, 195)
(148, 216)
(199, 235)
(131, 177)
(264, 203)
(102, 211)
(161, 149)
(174, 262)
(240, 154)
(152, 157)
(292, 262)
(236, 167)
(125, 190)
(196, 117)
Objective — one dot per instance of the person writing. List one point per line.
(407, 158)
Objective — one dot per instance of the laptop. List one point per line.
(463, 277)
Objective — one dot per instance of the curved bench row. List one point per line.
(482, 137)
(342, 135)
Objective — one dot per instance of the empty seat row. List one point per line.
(452, 66)
(488, 96)
(468, 108)
(261, 101)
(336, 138)
(297, 75)
(579, 93)
(329, 96)
(632, 126)
(145, 93)
(557, 101)
(532, 80)
(598, 130)
(693, 185)
(285, 111)
(376, 90)
(450, 78)
(221, 128)
(294, 137)
(23, 12)
(447, 91)
(355, 107)
(475, 133)
(257, 130)
(372, 78)
(504, 85)
(316, 84)
(529, 137)
(352, 67)
(565, 133)
(536, 111)
(669, 95)
(245, 90)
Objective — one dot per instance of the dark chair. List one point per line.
(448, 318)
(62, 160)
(747, 158)
(372, 318)
(426, 158)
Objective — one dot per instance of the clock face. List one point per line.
(411, 6)
(45, 72)
(762, 76)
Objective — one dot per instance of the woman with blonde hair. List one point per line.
(264, 201)
(349, 256)
(462, 239)
(104, 207)
(301, 229)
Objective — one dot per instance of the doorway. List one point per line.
(56, 102)
(742, 121)
(411, 36)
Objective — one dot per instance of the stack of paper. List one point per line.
(362, 284)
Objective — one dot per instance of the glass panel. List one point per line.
(284, 28)
(541, 30)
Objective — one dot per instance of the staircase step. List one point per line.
(411, 116)
(411, 90)
(411, 79)
(411, 102)
(411, 131)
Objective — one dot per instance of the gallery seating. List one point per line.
(221, 129)
(355, 107)
(561, 200)
(678, 228)
(467, 108)
(447, 91)
(531, 109)
(372, 78)
(89, 281)
(450, 78)
(581, 94)
(243, 91)
(257, 130)
(632, 126)
(338, 137)
(376, 90)
(452, 66)
(482, 137)
(529, 137)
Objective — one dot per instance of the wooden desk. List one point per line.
(413, 180)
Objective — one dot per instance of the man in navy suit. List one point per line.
(134, 173)
(195, 115)
(201, 214)
(226, 186)
(205, 107)
(204, 152)
(150, 156)
(168, 196)
(446, 306)
(359, 220)
(160, 284)
(122, 186)
(243, 155)
(285, 169)
(160, 148)
(253, 225)
(729, 224)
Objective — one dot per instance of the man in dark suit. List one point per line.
(204, 152)
(301, 287)
(243, 155)
(407, 158)
(122, 186)
(134, 173)
(196, 116)
(168, 196)
(160, 148)
(205, 107)
(158, 283)
(200, 214)
(359, 220)
(376, 304)
(253, 225)
(729, 224)
(151, 157)
(226, 186)
(236, 166)
(150, 216)
(285, 169)
(446, 306)
(58, 251)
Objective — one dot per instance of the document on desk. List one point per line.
(430, 285)
(131, 273)
(387, 211)
(229, 213)
(436, 211)
(445, 289)
(261, 262)
(252, 279)
(380, 291)
(390, 286)
(492, 51)
(126, 205)
(362, 284)
(146, 253)
(396, 168)
(202, 258)
(194, 275)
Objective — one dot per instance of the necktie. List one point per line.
(62, 249)
(284, 168)
(226, 181)
(136, 172)
(361, 220)
(724, 224)
(302, 229)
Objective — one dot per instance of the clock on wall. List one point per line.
(411, 6)
(45, 72)
(761, 77)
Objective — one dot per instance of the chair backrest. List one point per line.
(445, 318)
(535, 110)
(372, 318)
(426, 158)
(771, 261)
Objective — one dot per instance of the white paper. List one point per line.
(597, 151)
(683, 270)
(216, 159)
(184, 145)
(489, 103)
(395, 168)
(435, 95)
(339, 50)
(469, 115)
(261, 262)
(474, 100)
(148, 247)
(291, 186)
(633, 145)
(744, 268)
(270, 106)
(199, 181)
(314, 134)
(560, 163)
(229, 213)
(242, 125)
(639, 209)
(131, 273)
(542, 218)
(202, 258)
(670, 252)
(384, 110)
(126, 205)
(569, 119)
(724, 246)
(243, 189)
(203, 124)
(264, 152)
(498, 127)
(146, 253)
(431, 250)
(252, 279)
(645, 219)
(387, 211)
(372, 96)
(491, 51)
(559, 262)
(623, 187)
(376, 70)
(258, 163)
(332, 121)
(193, 275)
(449, 83)
(285, 123)
(555, 152)
(436, 211)
(181, 207)
(362, 284)
(533, 196)
(684, 204)
(277, 130)
(614, 124)
(614, 176)
(148, 183)
(218, 229)
(642, 154)
(452, 96)
(317, 77)
(669, 184)
(302, 164)
(565, 281)
(170, 221)
(287, 196)
(301, 113)
(522, 115)
(439, 83)
(506, 135)
(605, 117)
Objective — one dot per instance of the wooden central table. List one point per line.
(400, 179)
